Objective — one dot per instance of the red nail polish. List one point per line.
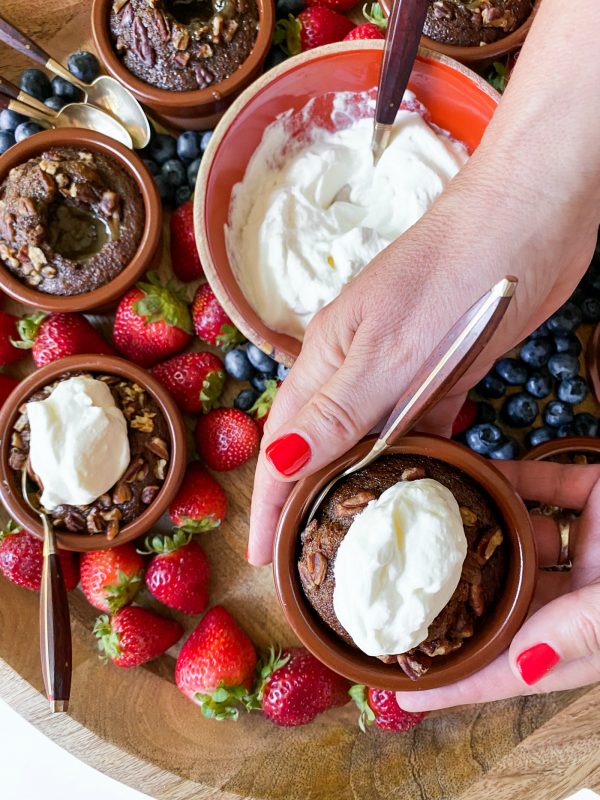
(247, 553)
(289, 453)
(536, 661)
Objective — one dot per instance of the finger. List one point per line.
(268, 498)
(566, 485)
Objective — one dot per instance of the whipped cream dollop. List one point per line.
(79, 446)
(398, 566)
(311, 212)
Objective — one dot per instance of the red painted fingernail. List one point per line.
(536, 661)
(289, 453)
(247, 553)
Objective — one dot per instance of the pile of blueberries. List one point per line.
(249, 363)
(543, 386)
(55, 93)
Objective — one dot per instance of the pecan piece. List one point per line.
(308, 533)
(119, 5)
(93, 521)
(471, 571)
(468, 517)
(149, 493)
(157, 446)
(414, 665)
(203, 76)
(104, 501)
(413, 474)
(140, 43)
(17, 460)
(352, 505)
(180, 38)
(75, 520)
(317, 567)
(122, 493)
(25, 207)
(181, 58)
(439, 647)
(476, 599)
(143, 422)
(36, 256)
(463, 628)
(160, 469)
(132, 470)
(489, 543)
(112, 530)
(110, 203)
(162, 25)
(111, 515)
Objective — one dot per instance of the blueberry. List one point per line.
(283, 8)
(261, 361)
(540, 435)
(36, 83)
(162, 147)
(558, 413)
(484, 437)
(282, 372)
(572, 390)
(65, 89)
(565, 430)
(562, 366)
(165, 190)
(592, 276)
(511, 371)
(566, 319)
(187, 145)
(539, 384)
(237, 364)
(590, 308)
(578, 295)
(182, 195)
(508, 450)
(204, 139)
(173, 172)
(27, 129)
(585, 424)
(84, 66)
(520, 410)
(55, 103)
(258, 381)
(567, 343)
(245, 399)
(541, 331)
(192, 172)
(275, 56)
(491, 387)
(6, 140)
(9, 120)
(151, 166)
(536, 352)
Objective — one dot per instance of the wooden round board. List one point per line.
(135, 726)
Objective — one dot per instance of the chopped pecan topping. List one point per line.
(352, 505)
(132, 470)
(413, 664)
(149, 493)
(182, 58)
(93, 521)
(118, 5)
(468, 517)
(476, 599)
(25, 207)
(180, 37)
(140, 42)
(317, 567)
(310, 530)
(413, 474)
(112, 530)
(158, 446)
(143, 422)
(121, 493)
(439, 647)
(160, 469)
(489, 543)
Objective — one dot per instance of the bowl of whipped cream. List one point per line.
(290, 206)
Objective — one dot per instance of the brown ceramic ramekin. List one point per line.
(148, 251)
(195, 110)
(496, 631)
(10, 490)
(571, 445)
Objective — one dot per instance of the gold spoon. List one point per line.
(105, 92)
(55, 623)
(73, 115)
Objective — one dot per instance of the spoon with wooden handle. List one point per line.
(105, 92)
(55, 623)
(441, 371)
(73, 115)
(401, 44)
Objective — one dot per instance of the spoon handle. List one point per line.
(449, 361)
(55, 627)
(20, 42)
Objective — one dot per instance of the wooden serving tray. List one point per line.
(135, 726)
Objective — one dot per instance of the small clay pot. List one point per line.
(194, 110)
(557, 447)
(148, 251)
(495, 632)
(10, 487)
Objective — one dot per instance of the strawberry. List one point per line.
(200, 504)
(340, 6)
(226, 438)
(9, 352)
(211, 323)
(21, 559)
(185, 260)
(216, 665)
(379, 707)
(314, 27)
(7, 384)
(465, 417)
(111, 578)
(135, 635)
(368, 30)
(295, 687)
(54, 336)
(195, 380)
(260, 410)
(178, 575)
(152, 322)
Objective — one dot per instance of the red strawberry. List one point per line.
(195, 380)
(335, 5)
(179, 573)
(55, 336)
(135, 635)
(7, 384)
(216, 665)
(226, 438)
(368, 30)
(111, 578)
(260, 410)
(295, 687)
(152, 322)
(185, 260)
(21, 559)
(379, 707)
(9, 352)
(314, 27)
(465, 417)
(211, 323)
(200, 504)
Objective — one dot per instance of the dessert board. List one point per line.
(135, 726)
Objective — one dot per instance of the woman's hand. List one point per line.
(558, 647)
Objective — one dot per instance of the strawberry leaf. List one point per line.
(287, 35)
(263, 404)
(358, 693)
(27, 328)
(212, 389)
(10, 529)
(375, 14)
(108, 639)
(208, 523)
(228, 337)
(222, 703)
(162, 303)
(123, 592)
(264, 669)
(162, 543)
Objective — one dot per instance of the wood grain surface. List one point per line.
(135, 726)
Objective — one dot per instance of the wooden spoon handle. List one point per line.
(8, 88)
(20, 42)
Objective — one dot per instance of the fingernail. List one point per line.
(536, 661)
(289, 453)
(247, 553)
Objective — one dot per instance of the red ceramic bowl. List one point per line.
(459, 100)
